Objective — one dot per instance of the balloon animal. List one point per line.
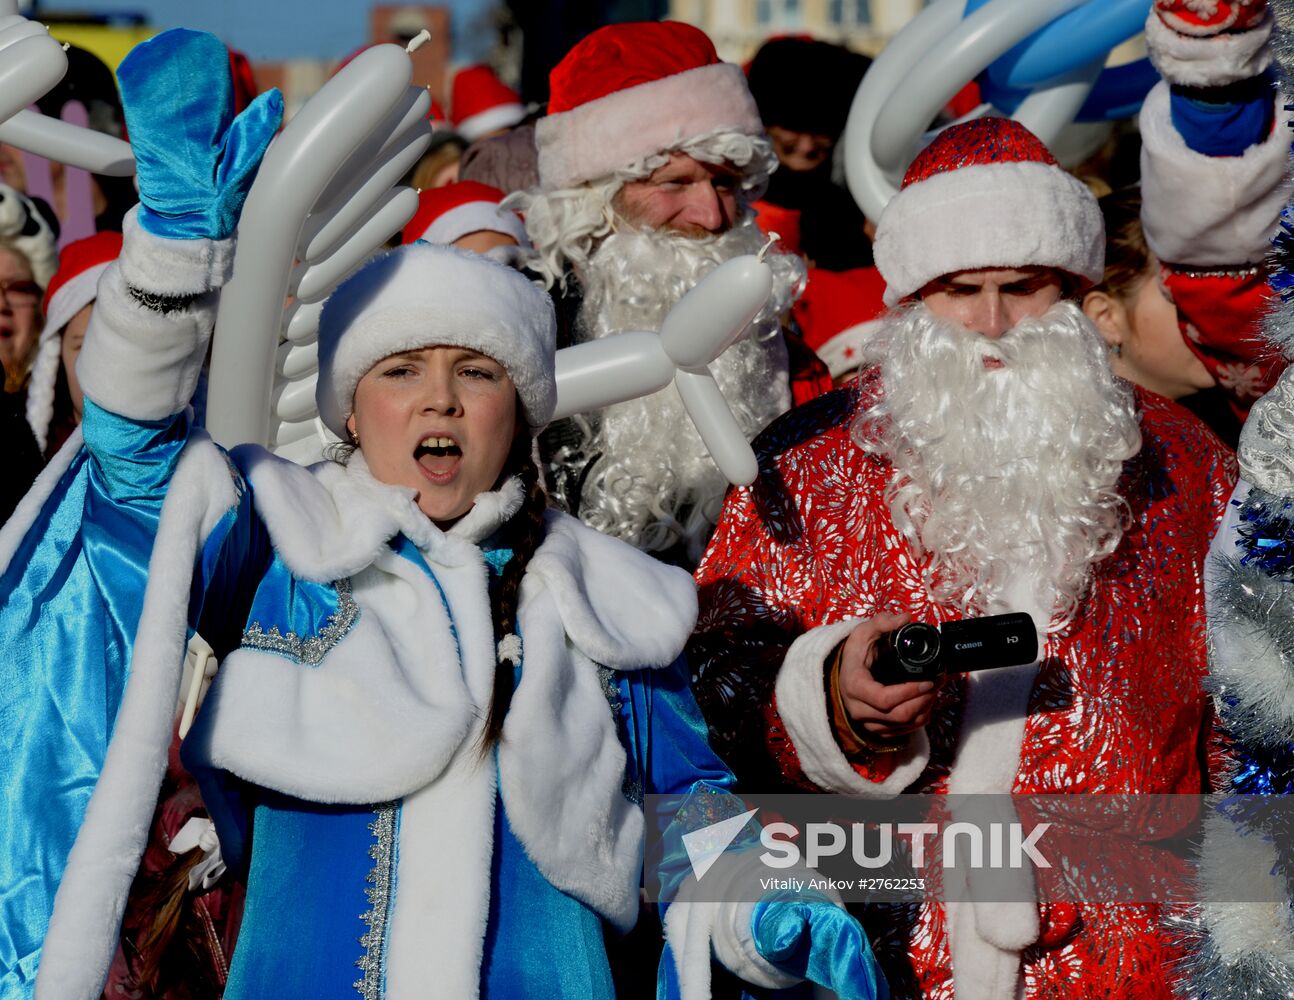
(326, 197)
(1045, 66)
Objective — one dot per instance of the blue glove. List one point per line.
(818, 941)
(194, 161)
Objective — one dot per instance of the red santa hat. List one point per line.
(447, 213)
(987, 193)
(74, 286)
(838, 312)
(628, 91)
(481, 103)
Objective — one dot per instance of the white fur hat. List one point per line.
(986, 193)
(422, 295)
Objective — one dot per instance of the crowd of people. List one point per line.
(444, 666)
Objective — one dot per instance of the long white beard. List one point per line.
(656, 483)
(1008, 471)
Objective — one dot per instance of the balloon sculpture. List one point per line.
(1041, 61)
(324, 200)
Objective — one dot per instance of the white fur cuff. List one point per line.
(802, 702)
(1212, 61)
(173, 267)
(1208, 211)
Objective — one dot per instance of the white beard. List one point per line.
(1003, 473)
(656, 483)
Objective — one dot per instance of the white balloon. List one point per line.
(295, 361)
(77, 147)
(712, 316)
(29, 68)
(303, 322)
(924, 66)
(717, 426)
(610, 370)
(704, 323)
(301, 164)
(319, 279)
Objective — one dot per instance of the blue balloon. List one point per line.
(1076, 39)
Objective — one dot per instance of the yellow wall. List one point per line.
(109, 44)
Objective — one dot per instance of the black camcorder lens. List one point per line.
(917, 644)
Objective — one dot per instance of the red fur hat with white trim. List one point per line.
(987, 193)
(481, 103)
(448, 213)
(629, 91)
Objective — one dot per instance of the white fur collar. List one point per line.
(621, 607)
(330, 521)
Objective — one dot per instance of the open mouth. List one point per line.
(992, 363)
(438, 457)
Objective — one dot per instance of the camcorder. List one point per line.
(921, 652)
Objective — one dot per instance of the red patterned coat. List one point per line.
(1116, 705)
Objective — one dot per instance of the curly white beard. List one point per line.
(1006, 472)
(656, 483)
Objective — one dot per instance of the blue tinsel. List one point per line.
(1281, 258)
(1266, 534)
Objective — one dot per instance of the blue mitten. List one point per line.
(195, 162)
(819, 941)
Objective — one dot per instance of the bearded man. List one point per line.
(651, 151)
(989, 462)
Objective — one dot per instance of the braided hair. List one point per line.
(522, 534)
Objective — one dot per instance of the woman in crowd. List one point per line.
(438, 704)
(1141, 325)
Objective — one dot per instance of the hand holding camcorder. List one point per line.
(921, 652)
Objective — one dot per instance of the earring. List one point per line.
(1116, 350)
(354, 439)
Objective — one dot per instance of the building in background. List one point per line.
(739, 26)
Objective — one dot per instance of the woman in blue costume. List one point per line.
(439, 703)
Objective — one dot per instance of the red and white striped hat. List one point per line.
(481, 103)
(628, 91)
(448, 213)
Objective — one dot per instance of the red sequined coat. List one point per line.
(1116, 705)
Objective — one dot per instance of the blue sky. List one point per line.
(271, 30)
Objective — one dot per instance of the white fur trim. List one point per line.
(999, 215)
(1211, 61)
(74, 295)
(596, 139)
(1235, 223)
(438, 927)
(24, 515)
(492, 119)
(696, 929)
(363, 725)
(423, 295)
(139, 363)
(41, 386)
(475, 217)
(442, 898)
(980, 971)
(83, 929)
(986, 937)
(802, 703)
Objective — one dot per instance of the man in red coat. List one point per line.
(989, 462)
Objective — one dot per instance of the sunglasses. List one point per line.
(20, 293)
